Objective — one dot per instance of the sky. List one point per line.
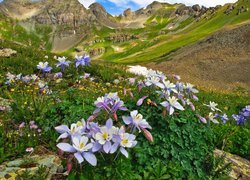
(116, 7)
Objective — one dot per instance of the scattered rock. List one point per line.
(96, 51)
(122, 37)
(230, 8)
(240, 166)
(16, 168)
(6, 52)
(196, 7)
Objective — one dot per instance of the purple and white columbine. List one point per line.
(136, 120)
(171, 104)
(82, 60)
(44, 67)
(62, 63)
(81, 147)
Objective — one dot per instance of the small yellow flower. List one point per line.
(12, 90)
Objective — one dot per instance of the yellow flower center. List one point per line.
(125, 141)
(105, 136)
(81, 145)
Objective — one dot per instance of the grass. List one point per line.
(198, 30)
(12, 31)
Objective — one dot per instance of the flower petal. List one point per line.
(90, 157)
(107, 147)
(66, 147)
(114, 147)
(124, 152)
(79, 157)
(62, 129)
(127, 120)
(62, 136)
(109, 123)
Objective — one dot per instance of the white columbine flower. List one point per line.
(171, 104)
(212, 106)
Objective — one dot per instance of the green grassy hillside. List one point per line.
(157, 47)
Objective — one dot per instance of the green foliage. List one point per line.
(180, 140)
(217, 168)
(233, 139)
(24, 61)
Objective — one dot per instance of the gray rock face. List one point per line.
(128, 13)
(154, 6)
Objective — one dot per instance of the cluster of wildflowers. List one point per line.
(12, 78)
(243, 116)
(86, 138)
(172, 95)
(42, 86)
(110, 103)
(179, 95)
(31, 126)
(28, 80)
(5, 104)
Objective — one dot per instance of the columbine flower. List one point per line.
(131, 81)
(169, 87)
(224, 118)
(58, 75)
(124, 140)
(212, 106)
(212, 117)
(136, 120)
(62, 62)
(82, 60)
(171, 104)
(202, 119)
(240, 120)
(110, 103)
(105, 136)
(10, 78)
(66, 132)
(246, 111)
(81, 149)
(22, 125)
(26, 79)
(44, 67)
(140, 101)
(127, 141)
(34, 77)
(190, 88)
(19, 76)
(154, 81)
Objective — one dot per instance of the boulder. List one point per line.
(196, 7)
(240, 166)
(7, 52)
